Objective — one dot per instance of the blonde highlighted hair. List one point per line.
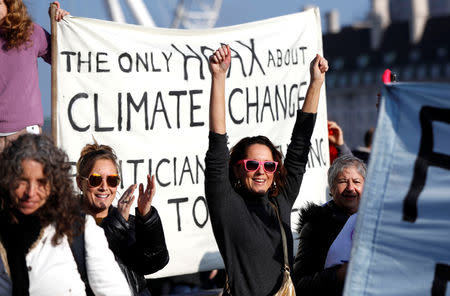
(16, 27)
(90, 154)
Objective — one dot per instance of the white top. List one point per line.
(52, 270)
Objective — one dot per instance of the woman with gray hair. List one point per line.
(40, 221)
(319, 226)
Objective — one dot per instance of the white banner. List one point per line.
(401, 244)
(145, 92)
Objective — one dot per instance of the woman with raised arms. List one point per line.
(248, 188)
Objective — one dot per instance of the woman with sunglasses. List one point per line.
(137, 242)
(42, 228)
(246, 189)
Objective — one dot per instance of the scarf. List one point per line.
(18, 238)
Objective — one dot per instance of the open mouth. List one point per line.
(259, 181)
(102, 196)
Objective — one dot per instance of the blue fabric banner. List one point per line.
(402, 240)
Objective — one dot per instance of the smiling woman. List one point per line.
(250, 192)
(98, 192)
(138, 241)
(319, 225)
(40, 218)
(256, 164)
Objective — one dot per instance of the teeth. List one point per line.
(102, 195)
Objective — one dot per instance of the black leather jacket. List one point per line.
(318, 227)
(138, 245)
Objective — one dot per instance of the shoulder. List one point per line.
(89, 220)
(40, 35)
(90, 226)
(313, 214)
(37, 30)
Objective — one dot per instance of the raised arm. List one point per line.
(297, 153)
(219, 62)
(318, 67)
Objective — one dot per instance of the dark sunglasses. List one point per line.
(95, 180)
(252, 165)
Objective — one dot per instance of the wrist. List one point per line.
(219, 76)
(142, 216)
(316, 83)
(143, 211)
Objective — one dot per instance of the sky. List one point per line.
(233, 12)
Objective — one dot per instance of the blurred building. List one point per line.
(410, 37)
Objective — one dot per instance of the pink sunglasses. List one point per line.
(252, 165)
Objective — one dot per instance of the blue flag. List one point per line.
(402, 238)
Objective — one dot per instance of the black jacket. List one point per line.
(245, 225)
(138, 245)
(318, 227)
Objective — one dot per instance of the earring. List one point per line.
(274, 185)
(238, 184)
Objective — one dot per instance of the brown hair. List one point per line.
(62, 207)
(90, 154)
(239, 152)
(16, 27)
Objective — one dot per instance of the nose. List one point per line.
(350, 186)
(103, 185)
(260, 169)
(32, 189)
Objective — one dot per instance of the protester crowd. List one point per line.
(54, 241)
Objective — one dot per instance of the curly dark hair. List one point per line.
(17, 26)
(62, 208)
(239, 152)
